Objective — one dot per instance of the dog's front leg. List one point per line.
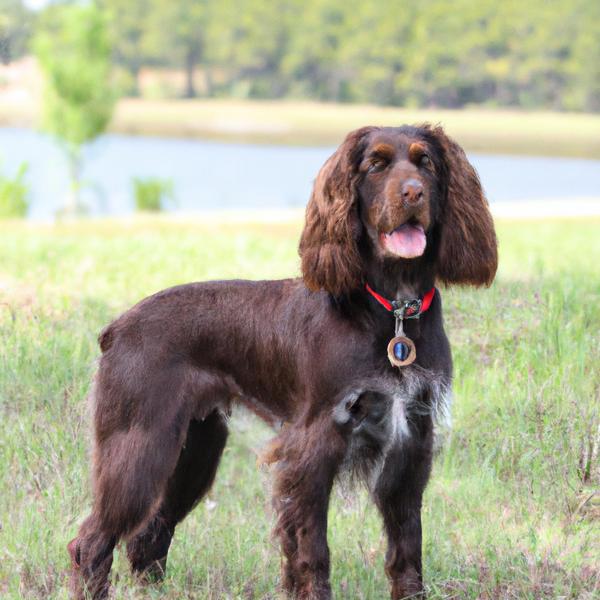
(309, 459)
(398, 494)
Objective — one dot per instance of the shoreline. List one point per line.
(305, 123)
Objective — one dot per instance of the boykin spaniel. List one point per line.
(350, 363)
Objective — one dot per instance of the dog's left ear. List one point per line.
(468, 249)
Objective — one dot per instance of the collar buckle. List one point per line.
(407, 309)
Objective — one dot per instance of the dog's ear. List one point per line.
(468, 249)
(328, 245)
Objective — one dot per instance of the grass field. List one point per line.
(510, 511)
(494, 131)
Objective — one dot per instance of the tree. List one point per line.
(15, 28)
(74, 53)
(128, 24)
(180, 25)
(315, 50)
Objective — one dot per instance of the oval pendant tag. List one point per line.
(401, 351)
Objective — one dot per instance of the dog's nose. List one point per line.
(412, 191)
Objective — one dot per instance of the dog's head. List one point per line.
(409, 193)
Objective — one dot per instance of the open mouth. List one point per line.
(406, 241)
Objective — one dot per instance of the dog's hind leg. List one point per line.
(132, 468)
(91, 555)
(193, 477)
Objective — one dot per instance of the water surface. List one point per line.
(209, 175)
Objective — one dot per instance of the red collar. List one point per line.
(411, 308)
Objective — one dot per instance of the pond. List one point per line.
(210, 175)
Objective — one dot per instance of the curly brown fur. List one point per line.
(468, 246)
(399, 208)
(328, 246)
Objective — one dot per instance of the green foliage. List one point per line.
(535, 54)
(74, 52)
(131, 35)
(509, 513)
(151, 193)
(428, 53)
(183, 25)
(13, 194)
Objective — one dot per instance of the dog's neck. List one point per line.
(400, 279)
(394, 280)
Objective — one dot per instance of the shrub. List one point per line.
(152, 193)
(14, 194)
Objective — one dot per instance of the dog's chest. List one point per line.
(383, 414)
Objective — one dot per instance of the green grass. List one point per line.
(509, 512)
(494, 131)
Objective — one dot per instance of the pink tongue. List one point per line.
(407, 241)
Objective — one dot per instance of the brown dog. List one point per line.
(398, 209)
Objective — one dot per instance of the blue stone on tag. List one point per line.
(401, 350)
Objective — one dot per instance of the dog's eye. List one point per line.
(377, 165)
(425, 160)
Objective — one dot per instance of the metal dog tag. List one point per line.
(401, 350)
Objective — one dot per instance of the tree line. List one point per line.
(535, 54)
